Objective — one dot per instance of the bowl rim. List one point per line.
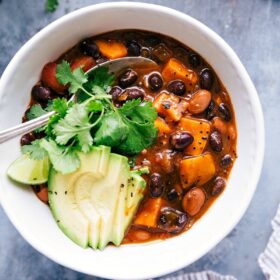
(252, 93)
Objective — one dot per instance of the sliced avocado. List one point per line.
(65, 209)
(63, 196)
(135, 191)
(105, 195)
(95, 205)
(129, 200)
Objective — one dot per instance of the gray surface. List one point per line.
(252, 29)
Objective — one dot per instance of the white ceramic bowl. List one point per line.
(33, 219)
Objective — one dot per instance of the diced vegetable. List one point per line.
(197, 170)
(85, 62)
(111, 49)
(174, 69)
(200, 131)
(162, 126)
(49, 77)
(149, 213)
(167, 105)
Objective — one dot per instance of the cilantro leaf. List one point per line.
(60, 106)
(111, 131)
(35, 151)
(75, 124)
(95, 106)
(51, 5)
(65, 76)
(129, 129)
(37, 111)
(101, 77)
(64, 161)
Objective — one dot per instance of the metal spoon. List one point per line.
(114, 66)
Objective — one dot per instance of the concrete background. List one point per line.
(251, 27)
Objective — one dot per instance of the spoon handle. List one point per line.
(24, 128)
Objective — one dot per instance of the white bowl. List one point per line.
(33, 219)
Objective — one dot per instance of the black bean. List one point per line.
(210, 113)
(156, 185)
(181, 139)
(133, 48)
(26, 139)
(41, 94)
(219, 185)
(215, 141)
(172, 195)
(89, 47)
(177, 87)
(153, 40)
(226, 160)
(145, 52)
(206, 78)
(115, 92)
(225, 112)
(134, 93)
(128, 78)
(194, 60)
(155, 81)
(172, 220)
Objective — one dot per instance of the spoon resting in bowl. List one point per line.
(114, 66)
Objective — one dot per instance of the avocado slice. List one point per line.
(95, 205)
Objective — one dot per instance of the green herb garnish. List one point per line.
(51, 5)
(94, 120)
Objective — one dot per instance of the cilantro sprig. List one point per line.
(51, 5)
(94, 120)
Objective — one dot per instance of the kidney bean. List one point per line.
(181, 139)
(219, 185)
(177, 87)
(41, 94)
(89, 47)
(199, 101)
(156, 185)
(172, 220)
(128, 78)
(155, 81)
(42, 192)
(139, 235)
(215, 141)
(26, 139)
(193, 201)
(226, 160)
(219, 125)
(225, 112)
(194, 60)
(133, 48)
(206, 78)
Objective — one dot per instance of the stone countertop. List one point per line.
(252, 30)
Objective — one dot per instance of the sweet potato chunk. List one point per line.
(169, 106)
(148, 215)
(175, 69)
(111, 49)
(197, 170)
(200, 130)
(85, 62)
(162, 126)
